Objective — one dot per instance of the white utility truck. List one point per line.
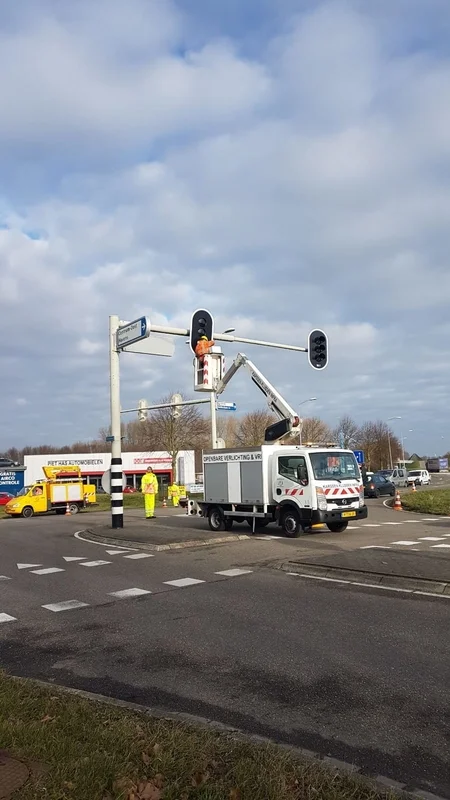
(291, 485)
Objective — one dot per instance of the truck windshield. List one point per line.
(24, 491)
(334, 465)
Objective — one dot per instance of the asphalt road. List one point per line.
(353, 672)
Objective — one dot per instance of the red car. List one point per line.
(129, 490)
(5, 497)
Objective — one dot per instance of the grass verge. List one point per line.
(92, 751)
(432, 501)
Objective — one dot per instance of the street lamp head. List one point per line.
(229, 330)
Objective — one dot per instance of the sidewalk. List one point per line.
(157, 534)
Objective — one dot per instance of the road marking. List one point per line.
(354, 527)
(94, 563)
(183, 582)
(136, 556)
(431, 539)
(375, 547)
(440, 545)
(47, 571)
(7, 618)
(116, 552)
(124, 593)
(233, 573)
(406, 543)
(65, 605)
(4, 578)
(74, 558)
(430, 519)
(372, 525)
(393, 523)
(28, 566)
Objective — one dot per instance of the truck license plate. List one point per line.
(349, 513)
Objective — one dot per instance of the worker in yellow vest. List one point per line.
(174, 493)
(149, 487)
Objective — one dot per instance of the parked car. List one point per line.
(421, 477)
(377, 485)
(5, 497)
(7, 462)
(129, 490)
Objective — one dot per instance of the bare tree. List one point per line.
(251, 428)
(348, 430)
(163, 431)
(316, 430)
(378, 442)
(227, 427)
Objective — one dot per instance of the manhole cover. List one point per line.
(13, 775)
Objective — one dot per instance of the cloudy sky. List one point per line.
(283, 163)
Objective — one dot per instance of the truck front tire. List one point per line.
(216, 520)
(27, 512)
(73, 508)
(337, 527)
(291, 525)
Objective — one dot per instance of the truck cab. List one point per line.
(317, 485)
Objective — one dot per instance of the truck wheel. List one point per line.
(216, 520)
(290, 522)
(337, 527)
(73, 508)
(27, 512)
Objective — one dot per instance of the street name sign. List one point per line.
(133, 332)
(226, 406)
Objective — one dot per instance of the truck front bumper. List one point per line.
(338, 515)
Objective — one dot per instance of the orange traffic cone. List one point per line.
(398, 503)
(67, 514)
(164, 503)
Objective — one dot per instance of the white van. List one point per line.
(421, 477)
(397, 476)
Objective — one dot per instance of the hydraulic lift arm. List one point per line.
(275, 401)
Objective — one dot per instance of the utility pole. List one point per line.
(213, 400)
(116, 445)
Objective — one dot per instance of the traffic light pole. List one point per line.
(226, 337)
(213, 400)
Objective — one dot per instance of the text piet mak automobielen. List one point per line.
(62, 488)
(294, 486)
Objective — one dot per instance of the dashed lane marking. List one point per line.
(183, 582)
(405, 543)
(123, 594)
(65, 605)
(47, 571)
(431, 538)
(441, 545)
(28, 566)
(94, 563)
(4, 578)
(74, 558)
(137, 556)
(372, 525)
(7, 618)
(375, 547)
(233, 573)
(116, 552)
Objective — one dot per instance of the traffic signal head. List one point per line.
(202, 327)
(318, 349)
(142, 410)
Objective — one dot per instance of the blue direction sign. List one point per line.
(359, 455)
(133, 332)
(226, 407)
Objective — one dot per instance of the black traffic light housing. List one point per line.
(202, 324)
(318, 349)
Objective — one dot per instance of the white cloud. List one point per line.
(304, 184)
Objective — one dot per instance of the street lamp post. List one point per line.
(309, 400)
(389, 443)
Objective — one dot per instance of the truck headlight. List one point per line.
(321, 500)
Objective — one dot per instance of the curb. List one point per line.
(381, 783)
(422, 585)
(95, 537)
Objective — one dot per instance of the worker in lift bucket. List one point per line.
(149, 487)
(203, 346)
